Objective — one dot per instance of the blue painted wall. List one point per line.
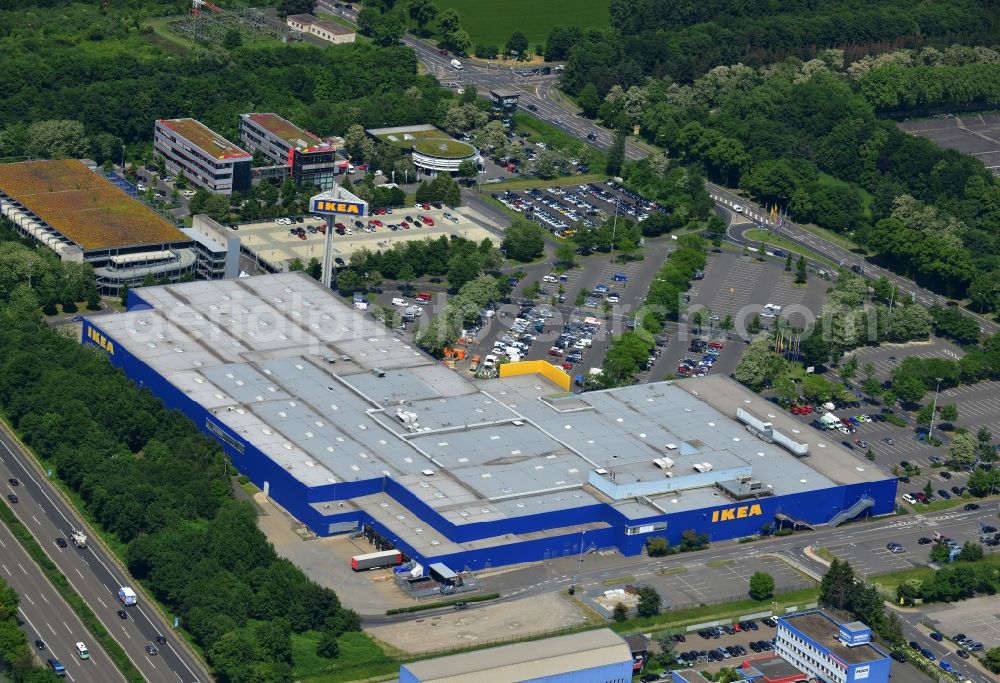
(815, 507)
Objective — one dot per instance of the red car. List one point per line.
(683, 370)
(362, 167)
(425, 206)
(554, 351)
(376, 223)
(427, 220)
(301, 235)
(567, 366)
(406, 226)
(379, 212)
(716, 345)
(340, 226)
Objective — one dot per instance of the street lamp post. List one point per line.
(580, 567)
(930, 427)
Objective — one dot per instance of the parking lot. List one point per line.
(886, 357)
(278, 244)
(868, 554)
(558, 209)
(977, 135)
(738, 286)
(976, 618)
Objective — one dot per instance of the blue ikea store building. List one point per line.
(348, 426)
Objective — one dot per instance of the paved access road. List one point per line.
(45, 616)
(92, 573)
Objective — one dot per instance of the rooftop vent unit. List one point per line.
(601, 471)
(671, 447)
(378, 372)
(663, 463)
(406, 416)
(703, 467)
(427, 473)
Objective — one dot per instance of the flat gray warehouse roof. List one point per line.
(526, 661)
(331, 395)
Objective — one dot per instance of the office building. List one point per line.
(432, 150)
(206, 158)
(599, 656)
(349, 426)
(217, 248)
(503, 103)
(818, 645)
(309, 159)
(82, 216)
(770, 669)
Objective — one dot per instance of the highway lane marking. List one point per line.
(178, 676)
(50, 628)
(28, 598)
(102, 602)
(22, 569)
(68, 628)
(78, 572)
(126, 632)
(2, 544)
(5, 569)
(150, 662)
(36, 520)
(46, 599)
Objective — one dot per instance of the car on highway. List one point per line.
(61, 542)
(737, 208)
(40, 644)
(12, 497)
(894, 548)
(937, 635)
(591, 136)
(962, 653)
(150, 649)
(13, 481)
(971, 506)
(122, 614)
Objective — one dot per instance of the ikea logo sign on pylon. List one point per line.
(330, 206)
(101, 340)
(729, 514)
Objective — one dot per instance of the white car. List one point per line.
(550, 278)
(188, 193)
(738, 208)
(909, 499)
(140, 187)
(489, 361)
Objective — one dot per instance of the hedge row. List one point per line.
(442, 603)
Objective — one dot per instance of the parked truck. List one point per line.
(127, 595)
(384, 558)
(79, 538)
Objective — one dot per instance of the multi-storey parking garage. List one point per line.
(345, 423)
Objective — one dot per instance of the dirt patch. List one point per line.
(482, 624)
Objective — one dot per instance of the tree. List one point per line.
(566, 254)
(949, 413)
(517, 45)
(991, 660)
(835, 588)
(620, 612)
(448, 23)
(758, 366)
(461, 269)
(422, 11)
(963, 450)
(657, 546)
(616, 155)
(328, 647)
(286, 7)
(970, 552)
(761, 586)
(928, 489)
(232, 39)
(460, 42)
(388, 29)
(849, 369)
(940, 553)
(524, 240)
(649, 602)
(801, 271)
(589, 100)
(667, 652)
(468, 169)
(57, 139)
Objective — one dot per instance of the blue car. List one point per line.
(946, 665)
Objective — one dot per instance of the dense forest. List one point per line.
(806, 136)
(105, 70)
(681, 40)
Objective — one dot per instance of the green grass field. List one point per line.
(491, 22)
(360, 657)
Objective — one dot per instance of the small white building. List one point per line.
(327, 30)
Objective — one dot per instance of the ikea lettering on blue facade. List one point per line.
(334, 408)
(331, 207)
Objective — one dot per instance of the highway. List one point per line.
(93, 574)
(47, 617)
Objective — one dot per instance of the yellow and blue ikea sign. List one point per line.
(738, 512)
(100, 340)
(331, 206)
